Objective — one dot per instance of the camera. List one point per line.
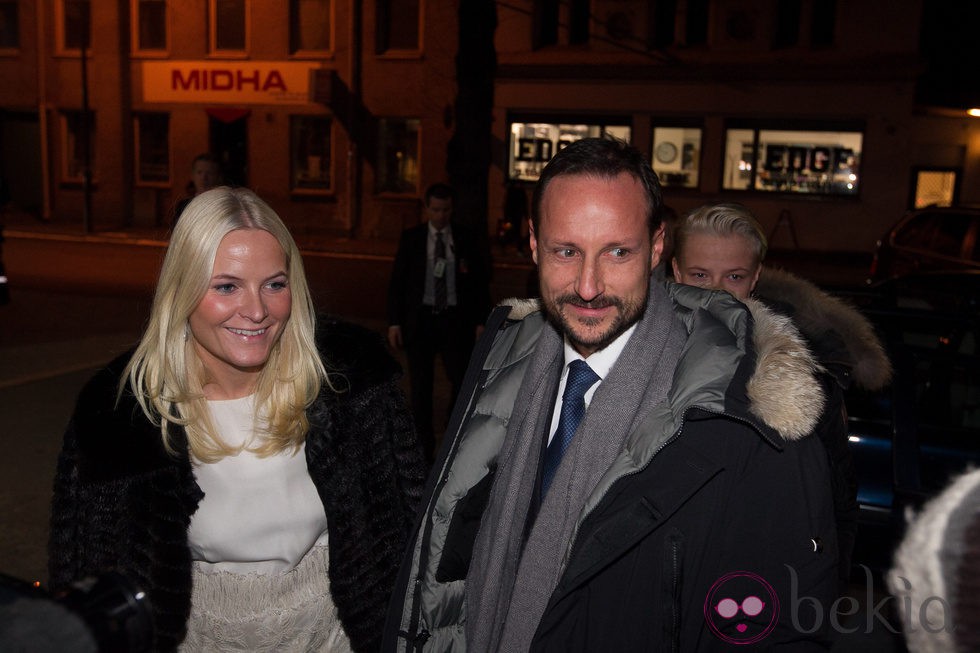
(107, 614)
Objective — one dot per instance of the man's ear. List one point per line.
(657, 246)
(533, 241)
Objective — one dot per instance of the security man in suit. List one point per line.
(438, 299)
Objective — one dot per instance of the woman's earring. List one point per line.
(187, 331)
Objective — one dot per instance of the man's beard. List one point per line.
(628, 313)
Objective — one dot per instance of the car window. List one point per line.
(941, 233)
(935, 392)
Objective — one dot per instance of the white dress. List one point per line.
(259, 544)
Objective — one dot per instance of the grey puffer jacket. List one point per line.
(721, 478)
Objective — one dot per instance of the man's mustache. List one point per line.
(599, 302)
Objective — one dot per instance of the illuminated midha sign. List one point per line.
(231, 82)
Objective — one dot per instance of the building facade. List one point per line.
(339, 112)
(332, 111)
(803, 110)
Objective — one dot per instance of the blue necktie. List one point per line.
(580, 379)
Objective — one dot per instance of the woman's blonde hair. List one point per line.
(166, 374)
(721, 220)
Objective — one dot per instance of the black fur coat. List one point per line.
(122, 503)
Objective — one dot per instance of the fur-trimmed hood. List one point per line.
(781, 389)
(842, 338)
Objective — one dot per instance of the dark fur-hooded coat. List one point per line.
(121, 503)
(851, 354)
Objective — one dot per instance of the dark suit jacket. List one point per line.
(407, 285)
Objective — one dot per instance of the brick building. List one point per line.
(339, 112)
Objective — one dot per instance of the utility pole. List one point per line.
(86, 140)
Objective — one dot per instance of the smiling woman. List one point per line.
(213, 464)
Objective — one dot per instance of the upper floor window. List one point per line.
(74, 25)
(309, 26)
(9, 25)
(228, 24)
(787, 28)
(152, 148)
(150, 25)
(397, 25)
(398, 155)
(821, 161)
(823, 23)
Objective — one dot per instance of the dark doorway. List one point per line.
(229, 143)
(20, 163)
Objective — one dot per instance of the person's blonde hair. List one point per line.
(721, 220)
(165, 373)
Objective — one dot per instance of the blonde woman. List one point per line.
(254, 471)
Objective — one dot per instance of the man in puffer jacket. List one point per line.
(629, 466)
(722, 246)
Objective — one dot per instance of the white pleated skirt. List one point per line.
(291, 611)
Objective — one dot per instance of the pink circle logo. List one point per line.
(741, 608)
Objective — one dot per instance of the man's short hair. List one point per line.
(439, 191)
(606, 158)
(722, 220)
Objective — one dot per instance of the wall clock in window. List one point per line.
(666, 152)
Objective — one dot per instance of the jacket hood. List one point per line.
(836, 331)
(782, 391)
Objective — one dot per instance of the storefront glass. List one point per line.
(532, 144)
(793, 161)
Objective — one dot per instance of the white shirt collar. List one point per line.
(603, 360)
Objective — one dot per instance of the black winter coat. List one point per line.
(122, 503)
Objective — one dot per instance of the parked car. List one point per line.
(933, 238)
(909, 439)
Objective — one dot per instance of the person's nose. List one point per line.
(253, 306)
(589, 284)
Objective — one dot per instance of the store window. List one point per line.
(9, 25)
(533, 143)
(824, 23)
(821, 162)
(397, 25)
(676, 156)
(228, 25)
(78, 145)
(150, 25)
(398, 155)
(309, 147)
(309, 26)
(75, 24)
(152, 148)
(935, 187)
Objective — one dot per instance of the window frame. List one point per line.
(294, 189)
(381, 169)
(61, 31)
(213, 50)
(399, 53)
(13, 50)
(67, 139)
(656, 162)
(914, 184)
(135, 48)
(305, 53)
(595, 125)
(759, 127)
(139, 181)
